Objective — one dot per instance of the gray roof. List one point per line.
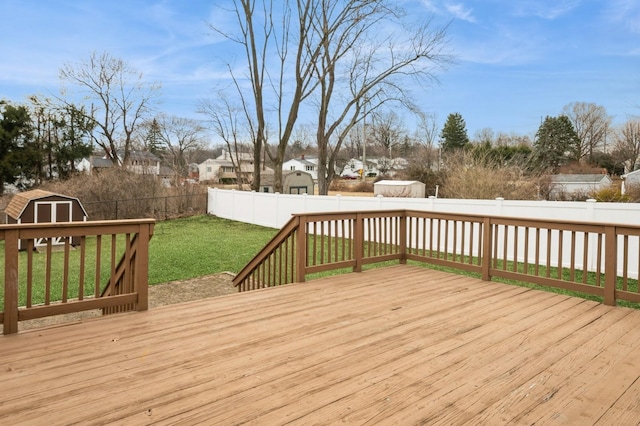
(99, 162)
(578, 178)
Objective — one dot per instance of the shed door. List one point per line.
(298, 190)
(50, 212)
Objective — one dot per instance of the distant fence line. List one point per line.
(161, 208)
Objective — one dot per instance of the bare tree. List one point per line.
(427, 136)
(591, 123)
(360, 68)
(627, 145)
(388, 131)
(118, 100)
(485, 135)
(180, 136)
(512, 139)
(281, 79)
(333, 51)
(233, 126)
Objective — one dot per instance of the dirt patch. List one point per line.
(192, 289)
(159, 295)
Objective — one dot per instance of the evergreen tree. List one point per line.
(454, 133)
(18, 154)
(74, 142)
(556, 143)
(62, 135)
(153, 141)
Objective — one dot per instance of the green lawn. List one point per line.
(180, 249)
(202, 245)
(188, 248)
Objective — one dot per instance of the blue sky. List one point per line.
(517, 61)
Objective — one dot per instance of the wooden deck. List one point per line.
(397, 345)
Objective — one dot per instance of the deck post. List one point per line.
(403, 237)
(141, 279)
(301, 242)
(10, 325)
(358, 242)
(610, 265)
(486, 249)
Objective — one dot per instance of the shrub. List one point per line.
(120, 194)
(361, 186)
(610, 195)
(632, 192)
(471, 178)
(344, 185)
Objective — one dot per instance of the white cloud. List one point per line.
(549, 10)
(460, 11)
(430, 6)
(625, 13)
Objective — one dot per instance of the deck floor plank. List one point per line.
(401, 344)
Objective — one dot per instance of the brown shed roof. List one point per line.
(19, 201)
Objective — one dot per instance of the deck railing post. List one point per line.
(10, 282)
(301, 243)
(358, 242)
(610, 265)
(403, 237)
(141, 279)
(486, 249)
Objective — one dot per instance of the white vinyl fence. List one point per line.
(274, 210)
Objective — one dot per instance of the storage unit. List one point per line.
(399, 188)
(40, 206)
(293, 182)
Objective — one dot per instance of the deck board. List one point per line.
(400, 344)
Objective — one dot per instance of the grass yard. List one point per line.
(202, 245)
(180, 249)
(187, 248)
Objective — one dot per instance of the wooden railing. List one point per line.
(598, 259)
(99, 265)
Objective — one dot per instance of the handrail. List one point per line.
(598, 259)
(33, 280)
(280, 240)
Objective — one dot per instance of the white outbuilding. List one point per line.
(399, 188)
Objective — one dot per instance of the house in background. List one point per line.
(140, 162)
(631, 179)
(309, 165)
(375, 166)
(564, 186)
(293, 182)
(223, 170)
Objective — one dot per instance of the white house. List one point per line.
(630, 179)
(223, 170)
(309, 165)
(140, 162)
(577, 184)
(375, 167)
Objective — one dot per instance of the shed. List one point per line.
(293, 182)
(40, 206)
(577, 184)
(399, 188)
